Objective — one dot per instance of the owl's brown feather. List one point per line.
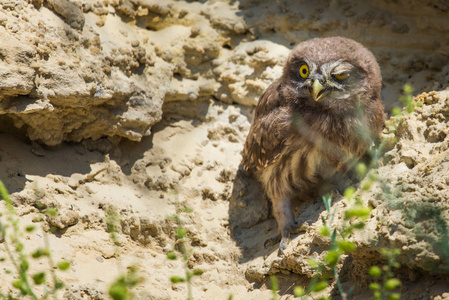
(269, 133)
(297, 145)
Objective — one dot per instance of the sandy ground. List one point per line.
(146, 184)
(189, 167)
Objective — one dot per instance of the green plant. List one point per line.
(26, 282)
(386, 290)
(354, 219)
(182, 248)
(274, 287)
(398, 113)
(121, 288)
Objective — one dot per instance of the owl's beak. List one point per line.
(318, 90)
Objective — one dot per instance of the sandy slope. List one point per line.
(146, 184)
(188, 167)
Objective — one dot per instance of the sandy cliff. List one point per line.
(143, 106)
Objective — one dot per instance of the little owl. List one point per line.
(313, 124)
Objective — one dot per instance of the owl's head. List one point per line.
(332, 72)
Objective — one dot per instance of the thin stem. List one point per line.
(340, 287)
(189, 284)
(52, 269)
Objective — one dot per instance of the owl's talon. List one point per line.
(285, 240)
(337, 194)
(282, 241)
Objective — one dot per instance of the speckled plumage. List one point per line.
(308, 133)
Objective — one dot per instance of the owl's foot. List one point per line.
(281, 240)
(296, 228)
(284, 238)
(337, 194)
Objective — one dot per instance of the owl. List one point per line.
(314, 124)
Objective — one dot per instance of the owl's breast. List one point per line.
(293, 171)
(333, 135)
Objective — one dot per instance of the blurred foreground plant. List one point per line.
(121, 288)
(11, 236)
(182, 248)
(354, 219)
(385, 290)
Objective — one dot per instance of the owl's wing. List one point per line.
(269, 131)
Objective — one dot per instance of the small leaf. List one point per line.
(394, 296)
(59, 285)
(39, 278)
(359, 225)
(39, 252)
(324, 231)
(347, 246)
(118, 291)
(320, 286)
(181, 232)
(171, 255)
(349, 192)
(52, 212)
(177, 279)
(298, 291)
(375, 271)
(312, 263)
(367, 185)
(24, 265)
(197, 272)
(377, 295)
(361, 169)
(17, 284)
(408, 89)
(396, 111)
(358, 211)
(392, 283)
(63, 265)
(332, 258)
(30, 228)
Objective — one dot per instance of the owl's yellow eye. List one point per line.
(341, 76)
(304, 71)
